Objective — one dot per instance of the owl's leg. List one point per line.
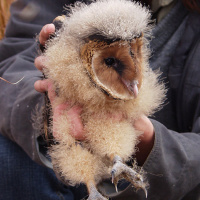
(93, 192)
(116, 142)
(76, 164)
(120, 170)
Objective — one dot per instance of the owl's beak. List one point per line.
(131, 86)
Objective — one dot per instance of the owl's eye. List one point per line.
(110, 61)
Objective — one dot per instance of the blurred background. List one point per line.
(4, 15)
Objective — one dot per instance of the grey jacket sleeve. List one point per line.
(17, 53)
(173, 165)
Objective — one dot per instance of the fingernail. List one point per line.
(49, 28)
(45, 28)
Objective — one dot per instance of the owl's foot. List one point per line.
(120, 170)
(94, 194)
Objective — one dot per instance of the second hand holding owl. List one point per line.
(77, 130)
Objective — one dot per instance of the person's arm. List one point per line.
(173, 165)
(17, 53)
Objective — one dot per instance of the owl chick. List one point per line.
(99, 60)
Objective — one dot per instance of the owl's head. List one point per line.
(112, 34)
(114, 67)
(109, 37)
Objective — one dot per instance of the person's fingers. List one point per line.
(39, 62)
(46, 86)
(51, 92)
(46, 31)
(76, 125)
(73, 113)
(41, 85)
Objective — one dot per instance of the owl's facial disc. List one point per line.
(115, 68)
(116, 74)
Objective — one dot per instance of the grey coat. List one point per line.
(172, 166)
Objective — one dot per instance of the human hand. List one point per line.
(46, 85)
(146, 143)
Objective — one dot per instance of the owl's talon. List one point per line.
(116, 187)
(113, 175)
(114, 180)
(145, 191)
(120, 170)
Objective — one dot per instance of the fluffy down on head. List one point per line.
(110, 18)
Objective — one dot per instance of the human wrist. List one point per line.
(146, 140)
